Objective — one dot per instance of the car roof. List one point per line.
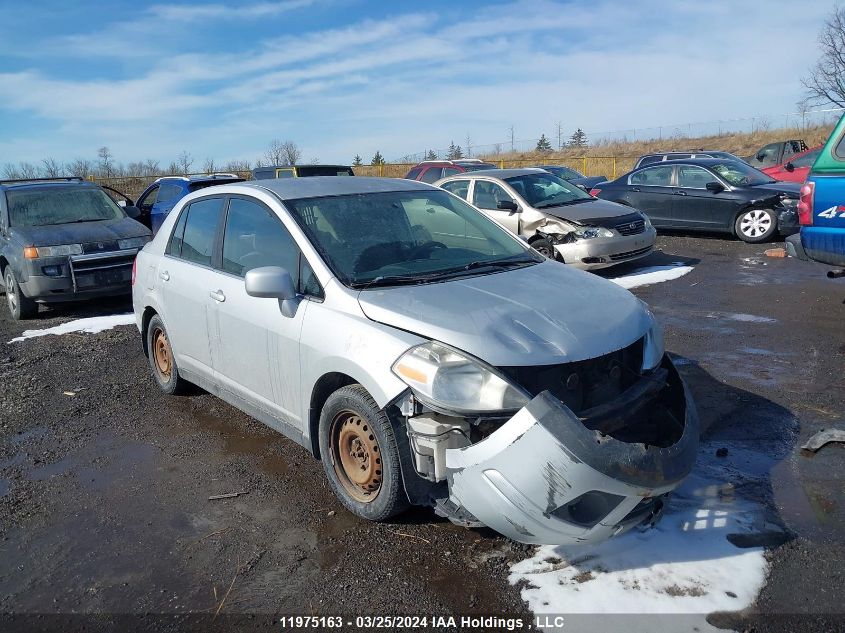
(200, 178)
(703, 162)
(320, 186)
(499, 173)
(55, 184)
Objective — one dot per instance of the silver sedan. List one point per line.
(559, 219)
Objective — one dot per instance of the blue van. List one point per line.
(821, 208)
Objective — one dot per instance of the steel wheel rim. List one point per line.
(755, 223)
(11, 292)
(162, 354)
(356, 456)
(545, 251)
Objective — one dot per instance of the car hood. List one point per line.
(543, 314)
(588, 210)
(791, 189)
(81, 232)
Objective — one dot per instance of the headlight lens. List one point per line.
(133, 242)
(450, 380)
(62, 250)
(590, 232)
(646, 220)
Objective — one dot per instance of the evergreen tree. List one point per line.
(378, 159)
(578, 139)
(455, 152)
(543, 144)
(357, 162)
(431, 155)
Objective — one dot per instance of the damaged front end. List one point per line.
(595, 451)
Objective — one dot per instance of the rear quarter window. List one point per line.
(839, 151)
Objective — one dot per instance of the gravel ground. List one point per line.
(104, 482)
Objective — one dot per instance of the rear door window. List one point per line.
(412, 175)
(168, 192)
(653, 177)
(458, 187)
(432, 174)
(650, 160)
(200, 230)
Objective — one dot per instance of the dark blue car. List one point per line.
(159, 198)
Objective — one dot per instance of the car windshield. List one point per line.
(543, 190)
(564, 172)
(60, 205)
(740, 174)
(405, 237)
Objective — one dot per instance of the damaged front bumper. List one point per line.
(544, 477)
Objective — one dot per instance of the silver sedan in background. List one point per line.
(558, 219)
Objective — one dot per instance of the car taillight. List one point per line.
(134, 267)
(805, 204)
(595, 192)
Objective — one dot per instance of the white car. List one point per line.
(425, 354)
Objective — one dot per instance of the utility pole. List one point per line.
(559, 135)
(510, 131)
(469, 146)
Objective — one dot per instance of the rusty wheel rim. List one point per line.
(162, 354)
(356, 456)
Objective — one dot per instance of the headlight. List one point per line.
(133, 242)
(62, 250)
(450, 380)
(646, 220)
(590, 232)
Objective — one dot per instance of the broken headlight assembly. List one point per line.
(592, 232)
(451, 381)
(61, 250)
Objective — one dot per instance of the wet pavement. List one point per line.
(104, 493)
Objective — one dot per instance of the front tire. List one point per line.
(20, 306)
(162, 362)
(360, 455)
(756, 225)
(544, 247)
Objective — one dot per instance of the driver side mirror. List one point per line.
(132, 211)
(273, 282)
(508, 205)
(761, 157)
(789, 167)
(714, 186)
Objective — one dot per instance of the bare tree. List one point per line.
(510, 133)
(469, 145)
(237, 165)
(826, 81)
(184, 162)
(10, 171)
(52, 168)
(283, 153)
(208, 166)
(81, 167)
(151, 167)
(106, 161)
(28, 170)
(559, 129)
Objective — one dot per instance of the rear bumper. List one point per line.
(545, 478)
(603, 252)
(824, 244)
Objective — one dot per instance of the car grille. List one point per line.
(640, 251)
(99, 270)
(631, 228)
(100, 247)
(583, 384)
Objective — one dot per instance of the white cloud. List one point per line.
(228, 11)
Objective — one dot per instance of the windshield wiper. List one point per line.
(410, 280)
(71, 222)
(559, 204)
(498, 263)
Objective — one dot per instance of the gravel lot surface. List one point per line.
(104, 481)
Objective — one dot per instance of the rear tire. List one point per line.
(20, 306)
(360, 455)
(756, 225)
(162, 362)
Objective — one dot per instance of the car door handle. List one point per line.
(680, 193)
(635, 189)
(217, 295)
(164, 275)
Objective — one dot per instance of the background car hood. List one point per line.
(80, 233)
(589, 210)
(538, 315)
(791, 189)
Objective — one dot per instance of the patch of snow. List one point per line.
(651, 275)
(91, 325)
(684, 565)
(744, 318)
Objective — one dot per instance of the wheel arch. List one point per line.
(149, 313)
(325, 386)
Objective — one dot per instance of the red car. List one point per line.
(796, 168)
(433, 170)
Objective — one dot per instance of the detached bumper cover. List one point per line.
(545, 478)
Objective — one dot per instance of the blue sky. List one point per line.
(340, 78)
